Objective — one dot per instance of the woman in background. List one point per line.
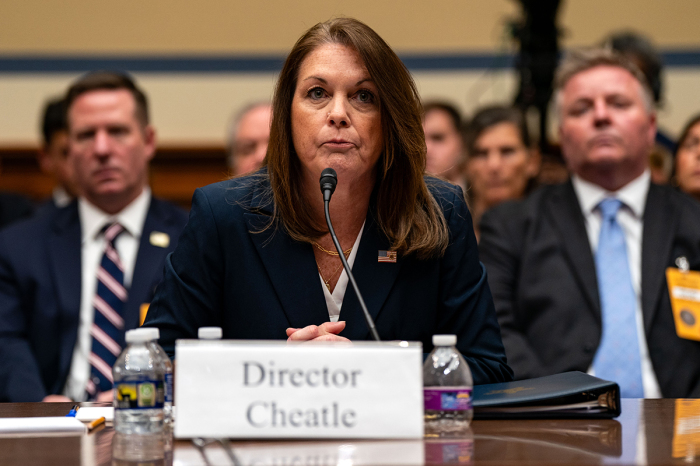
(501, 163)
(687, 167)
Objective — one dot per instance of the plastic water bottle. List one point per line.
(165, 367)
(447, 390)
(138, 380)
(209, 333)
(143, 450)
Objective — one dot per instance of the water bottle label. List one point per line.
(168, 388)
(144, 394)
(447, 399)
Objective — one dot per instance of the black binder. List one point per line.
(561, 396)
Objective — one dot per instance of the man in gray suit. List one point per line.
(577, 270)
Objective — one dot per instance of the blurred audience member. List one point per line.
(248, 136)
(53, 154)
(687, 170)
(553, 167)
(578, 270)
(445, 148)
(73, 281)
(660, 165)
(501, 162)
(639, 49)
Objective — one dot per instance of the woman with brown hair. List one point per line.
(501, 163)
(257, 259)
(686, 171)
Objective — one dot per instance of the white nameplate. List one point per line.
(267, 389)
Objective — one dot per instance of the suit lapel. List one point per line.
(65, 263)
(374, 279)
(566, 215)
(149, 263)
(291, 268)
(660, 220)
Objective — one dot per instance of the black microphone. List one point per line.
(329, 179)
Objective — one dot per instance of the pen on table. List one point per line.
(73, 411)
(95, 423)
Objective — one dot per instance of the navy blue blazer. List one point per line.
(40, 283)
(228, 271)
(14, 207)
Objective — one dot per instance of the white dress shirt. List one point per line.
(334, 301)
(631, 219)
(92, 220)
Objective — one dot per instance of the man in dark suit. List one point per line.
(564, 300)
(74, 280)
(13, 208)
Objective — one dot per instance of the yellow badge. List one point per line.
(160, 239)
(684, 290)
(142, 313)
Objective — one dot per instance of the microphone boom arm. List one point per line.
(368, 317)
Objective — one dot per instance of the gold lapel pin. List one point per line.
(160, 239)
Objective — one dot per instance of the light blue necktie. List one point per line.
(618, 357)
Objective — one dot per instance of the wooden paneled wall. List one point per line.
(175, 172)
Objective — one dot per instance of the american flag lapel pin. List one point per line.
(387, 256)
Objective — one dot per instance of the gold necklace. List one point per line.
(328, 282)
(331, 253)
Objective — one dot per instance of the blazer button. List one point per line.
(588, 348)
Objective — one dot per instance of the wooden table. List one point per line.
(654, 432)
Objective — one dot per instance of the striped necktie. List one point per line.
(618, 357)
(107, 329)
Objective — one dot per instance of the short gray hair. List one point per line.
(234, 123)
(578, 61)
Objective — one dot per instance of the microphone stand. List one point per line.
(329, 177)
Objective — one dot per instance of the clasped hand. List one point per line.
(327, 331)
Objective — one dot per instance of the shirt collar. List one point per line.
(131, 217)
(633, 194)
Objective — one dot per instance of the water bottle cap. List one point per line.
(209, 333)
(153, 332)
(444, 340)
(139, 335)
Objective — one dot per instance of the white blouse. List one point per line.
(334, 301)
